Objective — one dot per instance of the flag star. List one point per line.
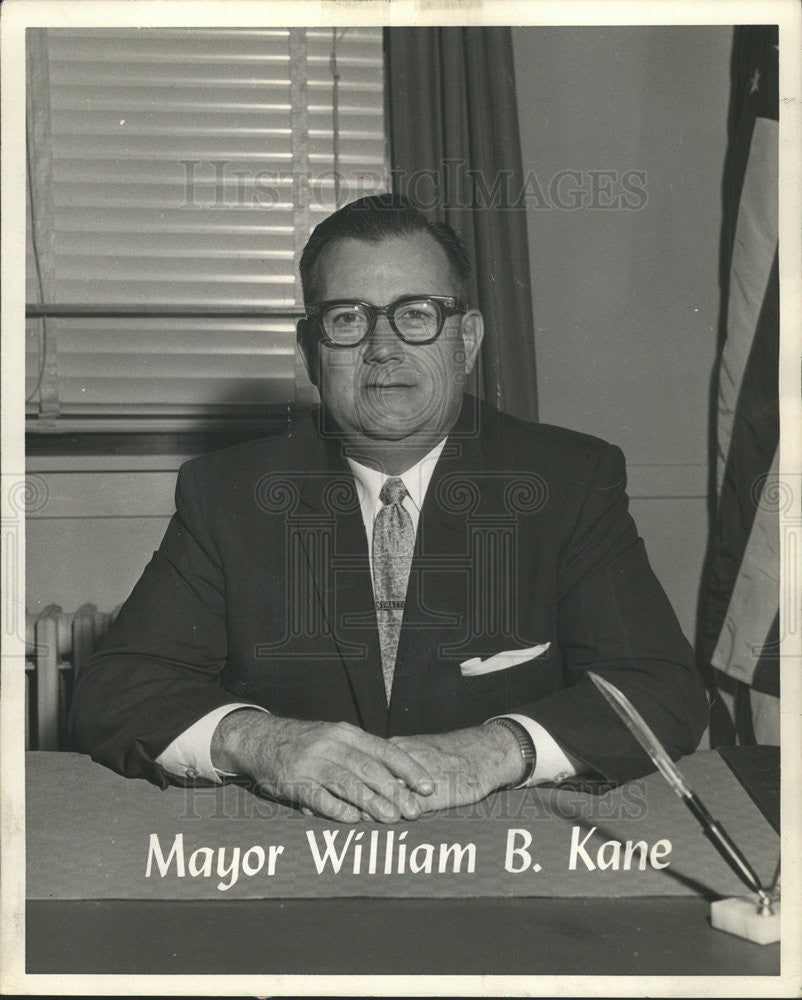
(754, 83)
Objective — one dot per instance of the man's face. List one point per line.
(385, 389)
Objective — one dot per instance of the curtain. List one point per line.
(455, 150)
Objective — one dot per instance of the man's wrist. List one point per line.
(526, 753)
(233, 737)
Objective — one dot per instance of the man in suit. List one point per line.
(392, 609)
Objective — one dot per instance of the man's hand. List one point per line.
(467, 764)
(332, 769)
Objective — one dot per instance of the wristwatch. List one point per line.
(525, 745)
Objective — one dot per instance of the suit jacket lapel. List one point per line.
(437, 616)
(332, 535)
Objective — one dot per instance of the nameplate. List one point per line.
(95, 835)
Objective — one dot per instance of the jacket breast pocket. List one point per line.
(528, 676)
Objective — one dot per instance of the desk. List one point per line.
(525, 935)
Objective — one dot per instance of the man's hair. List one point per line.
(378, 217)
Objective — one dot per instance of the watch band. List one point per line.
(525, 745)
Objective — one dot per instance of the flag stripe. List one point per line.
(765, 718)
(766, 677)
(755, 428)
(751, 453)
(755, 596)
(752, 255)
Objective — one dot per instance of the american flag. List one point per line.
(741, 618)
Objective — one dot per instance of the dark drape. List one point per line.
(455, 150)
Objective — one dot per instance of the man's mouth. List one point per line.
(381, 386)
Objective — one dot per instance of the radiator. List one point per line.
(57, 645)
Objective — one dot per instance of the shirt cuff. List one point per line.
(190, 753)
(551, 763)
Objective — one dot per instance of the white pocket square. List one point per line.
(501, 661)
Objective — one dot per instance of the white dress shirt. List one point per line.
(189, 755)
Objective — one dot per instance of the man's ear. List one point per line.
(307, 344)
(473, 330)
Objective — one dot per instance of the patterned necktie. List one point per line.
(393, 542)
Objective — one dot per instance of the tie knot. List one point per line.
(393, 491)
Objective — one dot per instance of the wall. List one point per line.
(96, 523)
(625, 305)
(626, 298)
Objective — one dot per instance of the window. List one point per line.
(174, 177)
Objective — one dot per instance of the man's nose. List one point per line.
(383, 344)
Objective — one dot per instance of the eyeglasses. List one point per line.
(415, 319)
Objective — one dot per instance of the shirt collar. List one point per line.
(416, 479)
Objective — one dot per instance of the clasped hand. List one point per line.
(338, 771)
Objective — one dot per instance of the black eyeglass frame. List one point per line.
(446, 306)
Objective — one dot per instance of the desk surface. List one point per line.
(654, 937)
(647, 935)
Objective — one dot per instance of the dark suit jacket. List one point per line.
(261, 592)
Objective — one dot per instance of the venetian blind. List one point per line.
(174, 176)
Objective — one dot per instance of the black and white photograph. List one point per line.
(401, 498)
